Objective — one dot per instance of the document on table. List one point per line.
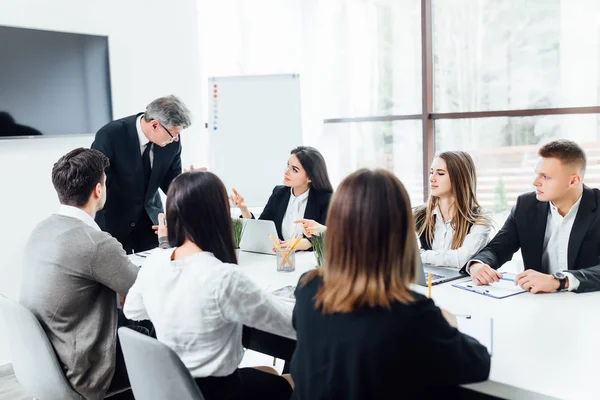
(505, 287)
(480, 328)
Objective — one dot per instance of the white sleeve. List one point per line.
(475, 240)
(242, 301)
(134, 308)
(573, 281)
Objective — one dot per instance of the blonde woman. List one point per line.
(452, 227)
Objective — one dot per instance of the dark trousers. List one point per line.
(269, 343)
(142, 236)
(120, 379)
(245, 384)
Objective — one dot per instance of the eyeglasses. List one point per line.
(173, 138)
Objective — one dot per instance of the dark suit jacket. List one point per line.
(316, 207)
(525, 229)
(126, 197)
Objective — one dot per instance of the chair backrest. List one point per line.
(155, 371)
(34, 361)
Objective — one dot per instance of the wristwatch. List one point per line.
(561, 278)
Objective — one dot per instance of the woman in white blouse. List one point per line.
(305, 193)
(198, 299)
(452, 227)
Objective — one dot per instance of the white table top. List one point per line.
(545, 345)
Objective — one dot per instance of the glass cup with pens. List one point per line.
(286, 255)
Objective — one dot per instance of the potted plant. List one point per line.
(238, 232)
(318, 247)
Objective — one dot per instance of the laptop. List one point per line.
(256, 236)
(438, 274)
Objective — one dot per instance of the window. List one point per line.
(391, 145)
(508, 55)
(505, 151)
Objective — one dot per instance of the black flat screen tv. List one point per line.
(53, 83)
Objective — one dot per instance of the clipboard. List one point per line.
(502, 289)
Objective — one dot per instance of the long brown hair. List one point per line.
(467, 211)
(314, 164)
(371, 252)
(198, 210)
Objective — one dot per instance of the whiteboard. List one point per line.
(254, 123)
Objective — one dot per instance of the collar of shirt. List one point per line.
(143, 139)
(572, 212)
(300, 198)
(78, 213)
(438, 216)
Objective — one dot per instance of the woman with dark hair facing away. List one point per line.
(305, 193)
(452, 227)
(198, 299)
(362, 333)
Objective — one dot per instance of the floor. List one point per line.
(11, 390)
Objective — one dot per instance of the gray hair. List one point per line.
(169, 111)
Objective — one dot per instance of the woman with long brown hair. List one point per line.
(305, 193)
(198, 299)
(362, 333)
(452, 227)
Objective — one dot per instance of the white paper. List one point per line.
(480, 328)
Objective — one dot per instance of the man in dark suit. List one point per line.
(145, 154)
(557, 228)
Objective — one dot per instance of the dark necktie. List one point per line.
(146, 164)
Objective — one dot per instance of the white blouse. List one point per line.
(441, 253)
(295, 211)
(198, 306)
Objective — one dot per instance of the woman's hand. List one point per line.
(239, 202)
(310, 227)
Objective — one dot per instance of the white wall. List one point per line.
(153, 47)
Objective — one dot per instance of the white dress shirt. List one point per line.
(442, 254)
(74, 212)
(295, 211)
(556, 242)
(144, 141)
(198, 306)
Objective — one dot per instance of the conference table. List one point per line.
(544, 345)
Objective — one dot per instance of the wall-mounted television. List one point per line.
(53, 83)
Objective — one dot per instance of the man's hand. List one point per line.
(483, 274)
(536, 282)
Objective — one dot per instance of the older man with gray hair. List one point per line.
(145, 154)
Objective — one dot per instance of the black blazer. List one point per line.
(525, 229)
(126, 198)
(371, 353)
(316, 207)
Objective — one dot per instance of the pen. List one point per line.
(477, 290)
(429, 285)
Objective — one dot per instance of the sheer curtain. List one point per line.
(333, 45)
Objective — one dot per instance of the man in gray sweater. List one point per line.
(72, 273)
